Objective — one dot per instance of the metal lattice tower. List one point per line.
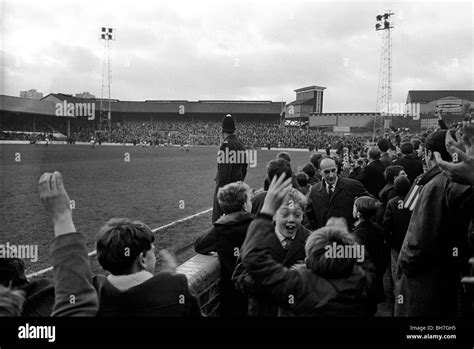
(107, 35)
(384, 91)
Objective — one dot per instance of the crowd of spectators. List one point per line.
(280, 249)
(198, 132)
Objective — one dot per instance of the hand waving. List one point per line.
(461, 172)
(277, 191)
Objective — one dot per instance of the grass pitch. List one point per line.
(103, 185)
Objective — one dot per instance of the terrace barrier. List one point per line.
(203, 273)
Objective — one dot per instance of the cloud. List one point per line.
(236, 50)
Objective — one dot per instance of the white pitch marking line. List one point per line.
(93, 253)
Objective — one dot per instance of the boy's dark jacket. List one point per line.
(298, 291)
(162, 295)
(260, 305)
(226, 238)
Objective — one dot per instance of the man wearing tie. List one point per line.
(333, 197)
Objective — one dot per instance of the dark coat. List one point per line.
(259, 304)
(395, 222)
(428, 270)
(321, 207)
(370, 235)
(158, 296)
(226, 238)
(412, 165)
(72, 276)
(257, 202)
(372, 177)
(354, 173)
(228, 172)
(39, 297)
(387, 193)
(298, 291)
(386, 160)
(231, 172)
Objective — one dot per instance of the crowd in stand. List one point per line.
(198, 132)
(316, 242)
(253, 134)
(319, 243)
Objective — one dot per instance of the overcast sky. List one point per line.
(235, 50)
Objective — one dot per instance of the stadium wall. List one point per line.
(203, 274)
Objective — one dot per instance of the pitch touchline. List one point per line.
(93, 253)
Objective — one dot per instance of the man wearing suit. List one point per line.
(371, 176)
(286, 245)
(228, 171)
(333, 197)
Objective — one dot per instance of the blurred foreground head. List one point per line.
(12, 272)
(318, 244)
(11, 301)
(337, 222)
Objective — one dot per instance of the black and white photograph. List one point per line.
(233, 167)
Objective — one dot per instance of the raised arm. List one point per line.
(74, 293)
(271, 277)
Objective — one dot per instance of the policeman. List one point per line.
(228, 171)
